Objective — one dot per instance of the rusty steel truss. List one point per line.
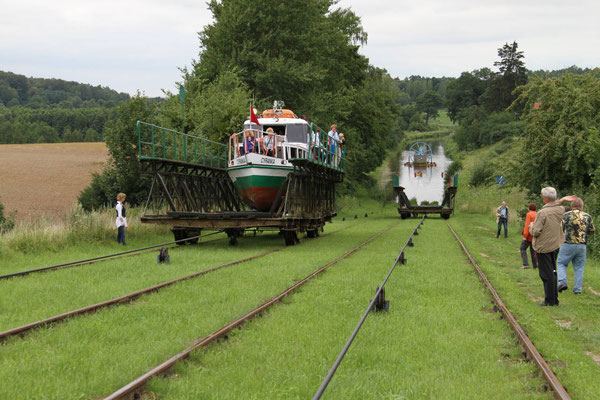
(192, 197)
(185, 188)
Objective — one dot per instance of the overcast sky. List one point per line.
(132, 45)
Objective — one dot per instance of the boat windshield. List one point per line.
(297, 133)
(251, 126)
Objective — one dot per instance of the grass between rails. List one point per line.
(436, 342)
(568, 336)
(16, 261)
(37, 296)
(95, 354)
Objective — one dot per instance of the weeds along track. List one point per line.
(133, 387)
(529, 348)
(106, 257)
(23, 329)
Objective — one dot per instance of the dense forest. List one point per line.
(246, 53)
(36, 110)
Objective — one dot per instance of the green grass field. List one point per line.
(440, 340)
(568, 336)
(437, 340)
(107, 349)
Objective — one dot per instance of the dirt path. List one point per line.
(44, 180)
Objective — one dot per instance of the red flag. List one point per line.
(253, 116)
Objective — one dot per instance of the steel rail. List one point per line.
(21, 330)
(123, 299)
(198, 343)
(340, 357)
(100, 258)
(526, 343)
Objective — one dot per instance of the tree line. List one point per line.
(486, 104)
(19, 90)
(302, 52)
(52, 125)
(36, 110)
(552, 116)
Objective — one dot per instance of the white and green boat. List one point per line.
(260, 156)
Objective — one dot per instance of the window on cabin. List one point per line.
(251, 126)
(297, 133)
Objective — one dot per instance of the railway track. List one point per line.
(94, 260)
(133, 387)
(528, 347)
(23, 329)
(380, 298)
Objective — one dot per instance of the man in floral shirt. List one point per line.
(577, 226)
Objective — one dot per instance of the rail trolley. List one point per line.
(279, 174)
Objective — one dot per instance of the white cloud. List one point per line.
(127, 45)
(445, 38)
(139, 44)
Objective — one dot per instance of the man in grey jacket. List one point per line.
(547, 238)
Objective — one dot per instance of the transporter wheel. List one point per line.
(184, 233)
(445, 216)
(312, 233)
(191, 233)
(233, 234)
(179, 234)
(290, 238)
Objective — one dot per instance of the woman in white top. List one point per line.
(121, 220)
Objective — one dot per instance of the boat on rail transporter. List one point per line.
(420, 157)
(278, 173)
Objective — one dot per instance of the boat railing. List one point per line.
(326, 150)
(159, 143)
(319, 148)
(255, 141)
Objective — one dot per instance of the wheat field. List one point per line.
(44, 180)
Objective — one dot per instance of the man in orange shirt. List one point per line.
(527, 238)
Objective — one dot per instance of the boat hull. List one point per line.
(258, 185)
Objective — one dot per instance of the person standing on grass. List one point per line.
(527, 238)
(547, 238)
(121, 220)
(502, 219)
(577, 226)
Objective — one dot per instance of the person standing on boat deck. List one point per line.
(547, 239)
(527, 238)
(577, 226)
(316, 142)
(502, 219)
(334, 138)
(269, 143)
(342, 143)
(249, 142)
(121, 220)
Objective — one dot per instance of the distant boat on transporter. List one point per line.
(259, 156)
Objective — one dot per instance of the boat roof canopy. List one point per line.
(279, 113)
(273, 121)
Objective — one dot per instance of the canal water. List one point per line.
(430, 185)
